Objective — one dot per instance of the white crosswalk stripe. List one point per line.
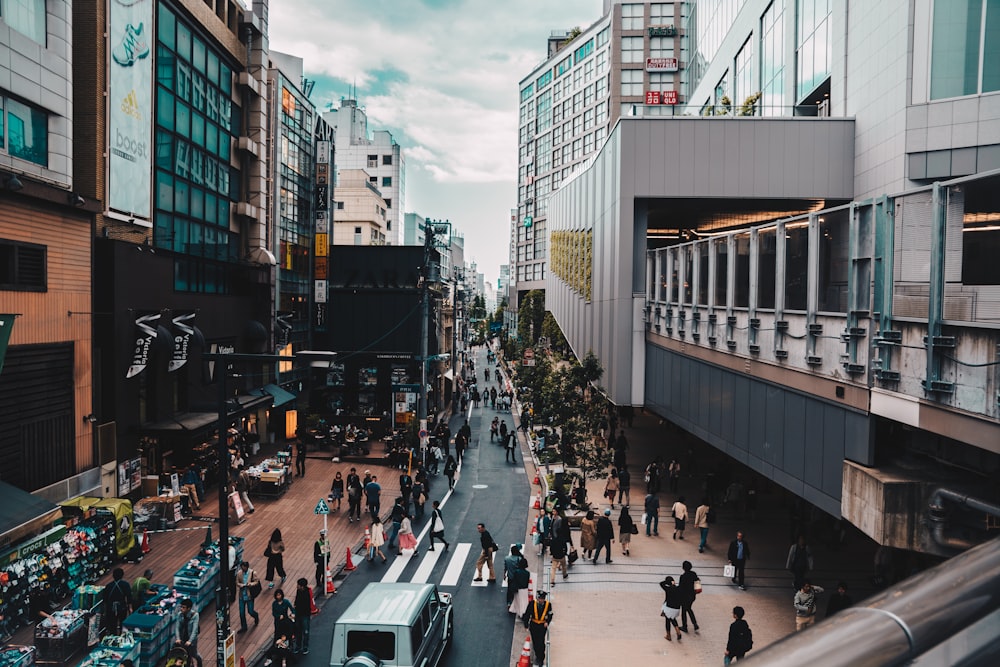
(396, 569)
(485, 570)
(455, 565)
(428, 560)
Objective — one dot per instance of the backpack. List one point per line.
(745, 637)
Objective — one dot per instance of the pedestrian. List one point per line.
(243, 488)
(652, 477)
(503, 431)
(321, 557)
(189, 483)
(680, 514)
(436, 457)
(799, 561)
(275, 554)
(283, 614)
(605, 537)
(542, 534)
(515, 571)
(805, 605)
(461, 442)
(740, 637)
(396, 516)
(117, 601)
(536, 618)
(186, 630)
(509, 444)
(377, 539)
(437, 526)
(624, 486)
(701, 521)
(839, 601)
(354, 491)
(419, 498)
(140, 589)
(652, 507)
(303, 615)
(690, 586)
(626, 529)
(674, 473)
(588, 535)
(489, 547)
(611, 486)
(405, 488)
(337, 491)
(247, 588)
(300, 459)
(406, 538)
(671, 608)
(373, 493)
(450, 468)
(738, 555)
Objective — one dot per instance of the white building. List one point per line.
(359, 217)
(378, 154)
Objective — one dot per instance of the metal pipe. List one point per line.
(938, 516)
(902, 622)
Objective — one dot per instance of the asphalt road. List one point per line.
(490, 491)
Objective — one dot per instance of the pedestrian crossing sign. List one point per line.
(321, 507)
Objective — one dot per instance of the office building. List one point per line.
(360, 216)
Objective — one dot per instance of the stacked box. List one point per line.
(17, 656)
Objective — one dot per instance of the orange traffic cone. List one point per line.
(536, 482)
(525, 660)
(329, 582)
(313, 609)
(531, 591)
(350, 563)
(538, 502)
(243, 663)
(145, 541)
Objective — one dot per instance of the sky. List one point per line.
(442, 76)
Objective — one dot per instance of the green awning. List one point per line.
(281, 396)
(23, 514)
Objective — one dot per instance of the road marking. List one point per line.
(491, 557)
(430, 559)
(480, 486)
(455, 565)
(396, 569)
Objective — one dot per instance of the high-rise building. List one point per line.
(413, 229)
(359, 216)
(631, 55)
(378, 154)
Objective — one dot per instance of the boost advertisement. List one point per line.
(130, 95)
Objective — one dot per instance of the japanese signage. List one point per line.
(130, 101)
(661, 65)
(321, 288)
(322, 196)
(662, 31)
(665, 97)
(322, 245)
(322, 152)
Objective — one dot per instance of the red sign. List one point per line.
(670, 97)
(661, 65)
(665, 97)
(652, 97)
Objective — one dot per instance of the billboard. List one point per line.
(662, 65)
(130, 102)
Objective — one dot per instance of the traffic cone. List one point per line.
(350, 563)
(525, 660)
(538, 502)
(243, 663)
(145, 541)
(531, 591)
(330, 590)
(536, 481)
(313, 609)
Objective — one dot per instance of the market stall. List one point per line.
(152, 624)
(60, 636)
(112, 651)
(17, 656)
(271, 477)
(199, 577)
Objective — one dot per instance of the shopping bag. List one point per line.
(729, 571)
(573, 555)
(645, 518)
(697, 586)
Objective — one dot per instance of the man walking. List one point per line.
(117, 601)
(303, 616)
(624, 485)
(605, 536)
(536, 620)
(805, 605)
(701, 522)
(740, 637)
(186, 630)
(354, 491)
(509, 443)
(321, 555)
(437, 526)
(688, 595)
(489, 546)
(739, 554)
(373, 491)
(652, 507)
(397, 514)
(405, 489)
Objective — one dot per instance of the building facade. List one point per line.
(805, 283)
(378, 154)
(360, 216)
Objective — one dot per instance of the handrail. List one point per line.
(902, 622)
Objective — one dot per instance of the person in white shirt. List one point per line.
(680, 512)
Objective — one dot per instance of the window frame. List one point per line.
(18, 284)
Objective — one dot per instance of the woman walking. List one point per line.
(680, 512)
(337, 490)
(588, 535)
(284, 616)
(671, 608)
(275, 558)
(701, 516)
(626, 528)
(406, 537)
(377, 540)
(450, 468)
(611, 486)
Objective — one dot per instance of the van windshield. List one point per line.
(380, 644)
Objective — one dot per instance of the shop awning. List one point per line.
(193, 421)
(281, 396)
(23, 514)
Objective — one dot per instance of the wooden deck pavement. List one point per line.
(293, 514)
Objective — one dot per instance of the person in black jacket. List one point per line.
(740, 637)
(605, 536)
(739, 554)
(686, 586)
(671, 608)
(489, 546)
(839, 601)
(303, 615)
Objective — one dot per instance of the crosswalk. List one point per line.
(458, 555)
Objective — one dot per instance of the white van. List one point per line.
(393, 625)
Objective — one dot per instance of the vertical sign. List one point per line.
(130, 101)
(321, 245)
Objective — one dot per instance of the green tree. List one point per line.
(530, 315)
(551, 330)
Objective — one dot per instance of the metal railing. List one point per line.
(902, 622)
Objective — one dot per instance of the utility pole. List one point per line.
(424, 316)
(454, 334)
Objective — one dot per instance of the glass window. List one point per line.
(743, 80)
(583, 51)
(814, 48)
(772, 59)
(961, 47)
(721, 270)
(688, 254)
(27, 134)
(632, 82)
(703, 273)
(674, 277)
(27, 17)
(661, 47)
(165, 27)
(164, 191)
(796, 265)
(198, 54)
(833, 261)
(632, 16)
(184, 42)
(386, 181)
(387, 160)
(602, 37)
(2, 115)
(767, 254)
(741, 298)
(632, 50)
(661, 13)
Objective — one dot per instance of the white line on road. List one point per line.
(456, 564)
(396, 569)
(430, 559)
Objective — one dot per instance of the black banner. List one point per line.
(145, 333)
(183, 331)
